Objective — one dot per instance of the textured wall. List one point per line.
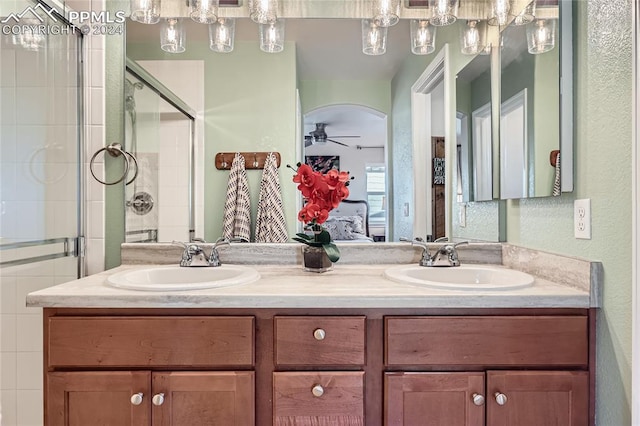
(603, 137)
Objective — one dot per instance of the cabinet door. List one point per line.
(203, 398)
(452, 399)
(535, 398)
(98, 398)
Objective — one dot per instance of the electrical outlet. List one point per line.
(582, 219)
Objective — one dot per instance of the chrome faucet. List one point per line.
(447, 255)
(194, 255)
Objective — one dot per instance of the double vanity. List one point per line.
(505, 339)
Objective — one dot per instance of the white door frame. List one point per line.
(436, 72)
(635, 324)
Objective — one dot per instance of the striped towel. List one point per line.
(236, 223)
(556, 180)
(271, 226)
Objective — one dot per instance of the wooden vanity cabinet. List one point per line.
(323, 367)
(84, 384)
(487, 397)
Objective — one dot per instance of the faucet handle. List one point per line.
(214, 257)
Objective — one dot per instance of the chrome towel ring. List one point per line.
(115, 150)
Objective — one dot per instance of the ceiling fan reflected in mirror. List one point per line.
(319, 136)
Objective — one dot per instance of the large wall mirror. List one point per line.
(255, 101)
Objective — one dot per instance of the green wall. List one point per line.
(250, 105)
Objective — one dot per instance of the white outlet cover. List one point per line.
(582, 219)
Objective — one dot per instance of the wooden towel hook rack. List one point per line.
(252, 160)
(553, 156)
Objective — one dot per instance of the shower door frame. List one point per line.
(167, 95)
(78, 240)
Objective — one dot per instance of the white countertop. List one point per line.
(288, 286)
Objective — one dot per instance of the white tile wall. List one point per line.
(35, 113)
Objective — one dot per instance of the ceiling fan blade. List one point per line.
(339, 143)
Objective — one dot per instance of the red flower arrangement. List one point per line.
(322, 193)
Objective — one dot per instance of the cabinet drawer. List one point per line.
(130, 342)
(487, 341)
(320, 340)
(314, 398)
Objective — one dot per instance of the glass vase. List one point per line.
(315, 259)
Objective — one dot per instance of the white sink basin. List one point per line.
(464, 277)
(171, 278)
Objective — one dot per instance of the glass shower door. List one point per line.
(40, 199)
(160, 136)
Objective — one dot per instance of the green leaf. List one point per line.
(332, 251)
(303, 236)
(323, 237)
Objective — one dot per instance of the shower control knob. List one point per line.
(319, 334)
(136, 398)
(158, 399)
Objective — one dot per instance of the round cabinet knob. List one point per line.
(501, 398)
(317, 391)
(319, 334)
(136, 398)
(478, 399)
(158, 399)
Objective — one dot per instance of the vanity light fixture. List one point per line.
(263, 11)
(221, 35)
(443, 12)
(527, 15)
(385, 12)
(272, 36)
(541, 36)
(499, 12)
(423, 37)
(172, 35)
(203, 11)
(374, 38)
(145, 11)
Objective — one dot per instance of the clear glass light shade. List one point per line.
(443, 12)
(263, 11)
(374, 38)
(527, 15)
(473, 38)
(221, 35)
(203, 11)
(385, 12)
(272, 36)
(499, 12)
(145, 11)
(423, 37)
(541, 36)
(172, 36)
